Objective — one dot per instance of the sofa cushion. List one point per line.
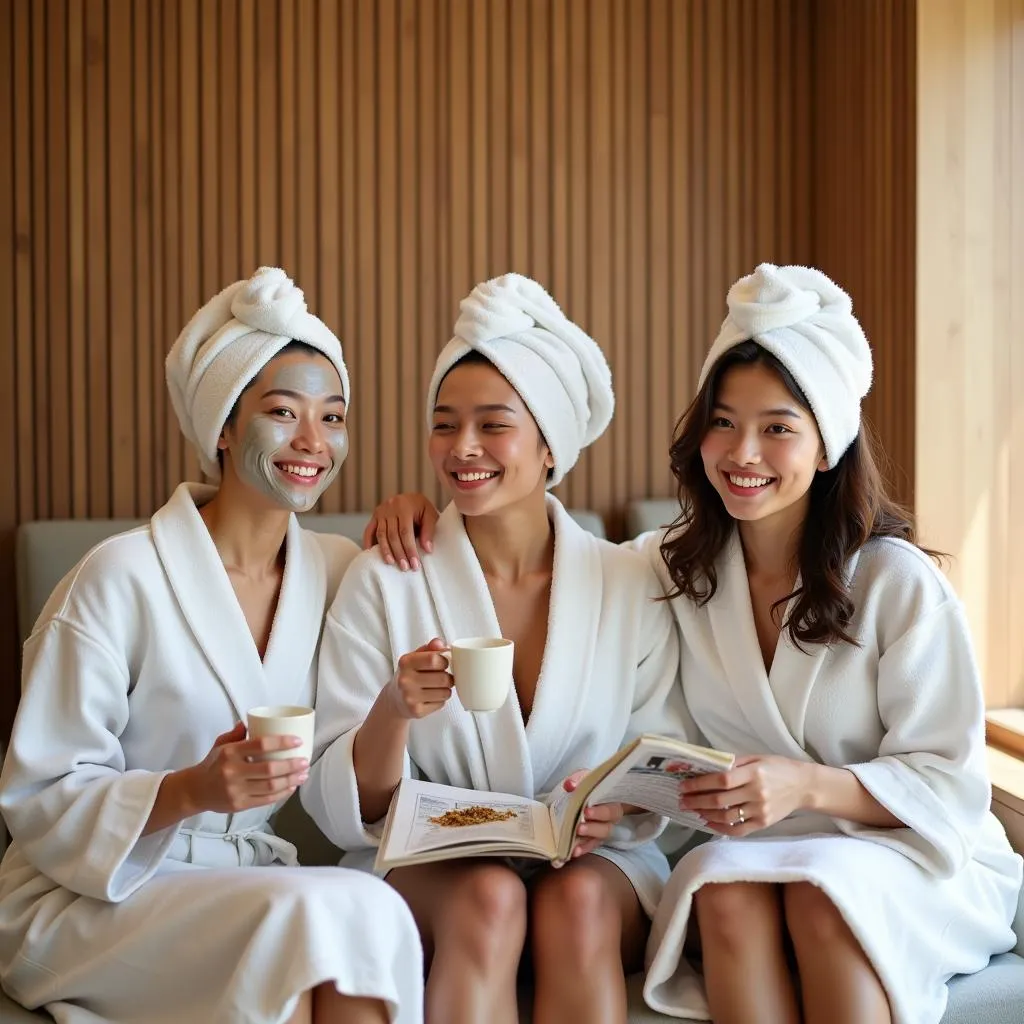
(650, 514)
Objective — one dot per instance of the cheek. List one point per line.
(437, 448)
(265, 436)
(710, 450)
(339, 446)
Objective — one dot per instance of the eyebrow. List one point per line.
(781, 411)
(496, 407)
(286, 393)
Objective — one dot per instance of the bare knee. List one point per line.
(811, 917)
(483, 914)
(733, 913)
(573, 913)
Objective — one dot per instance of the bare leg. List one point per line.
(837, 981)
(587, 929)
(742, 941)
(303, 1012)
(472, 917)
(331, 1007)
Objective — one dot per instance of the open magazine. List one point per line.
(428, 821)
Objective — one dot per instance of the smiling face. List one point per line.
(288, 439)
(762, 447)
(484, 444)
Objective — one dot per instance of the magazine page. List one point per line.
(429, 816)
(650, 778)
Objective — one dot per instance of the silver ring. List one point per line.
(742, 816)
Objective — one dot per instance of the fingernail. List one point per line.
(416, 564)
(303, 764)
(403, 565)
(303, 776)
(389, 559)
(428, 546)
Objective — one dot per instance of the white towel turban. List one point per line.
(559, 371)
(226, 344)
(806, 321)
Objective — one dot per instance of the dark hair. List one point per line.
(292, 346)
(475, 358)
(848, 507)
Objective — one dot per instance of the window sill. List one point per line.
(1007, 774)
(1005, 729)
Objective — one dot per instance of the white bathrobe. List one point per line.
(141, 657)
(609, 672)
(903, 712)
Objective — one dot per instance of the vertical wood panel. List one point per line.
(59, 454)
(408, 282)
(171, 305)
(574, 298)
(40, 324)
(969, 422)
(22, 277)
(97, 269)
(121, 281)
(9, 447)
(389, 437)
(140, 155)
(860, 200)
(1015, 603)
(635, 156)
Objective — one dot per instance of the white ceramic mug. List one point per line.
(284, 720)
(482, 668)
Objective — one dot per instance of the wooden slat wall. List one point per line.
(864, 194)
(970, 317)
(635, 156)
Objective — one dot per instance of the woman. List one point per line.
(144, 882)
(823, 643)
(862, 867)
(514, 397)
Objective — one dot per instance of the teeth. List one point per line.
(300, 470)
(468, 477)
(749, 481)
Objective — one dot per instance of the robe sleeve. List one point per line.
(355, 664)
(70, 805)
(930, 770)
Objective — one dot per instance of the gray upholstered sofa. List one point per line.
(47, 550)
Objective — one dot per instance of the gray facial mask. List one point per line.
(267, 441)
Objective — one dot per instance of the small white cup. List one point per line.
(283, 720)
(482, 667)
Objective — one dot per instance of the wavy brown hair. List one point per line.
(848, 507)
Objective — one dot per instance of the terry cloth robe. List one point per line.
(609, 672)
(140, 659)
(904, 713)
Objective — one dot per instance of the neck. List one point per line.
(514, 542)
(249, 536)
(771, 547)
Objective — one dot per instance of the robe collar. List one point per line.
(518, 758)
(203, 590)
(759, 693)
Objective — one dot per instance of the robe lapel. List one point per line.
(207, 600)
(731, 617)
(298, 619)
(566, 672)
(464, 608)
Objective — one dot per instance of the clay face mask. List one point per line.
(266, 458)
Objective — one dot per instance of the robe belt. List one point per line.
(243, 848)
